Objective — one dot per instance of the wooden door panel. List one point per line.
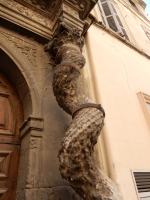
(9, 160)
(10, 122)
(6, 115)
(11, 116)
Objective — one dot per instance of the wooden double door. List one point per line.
(11, 118)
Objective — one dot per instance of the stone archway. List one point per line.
(15, 66)
(17, 71)
(10, 69)
(11, 118)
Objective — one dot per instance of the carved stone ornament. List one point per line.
(76, 164)
(50, 7)
(34, 8)
(30, 16)
(65, 34)
(28, 49)
(41, 16)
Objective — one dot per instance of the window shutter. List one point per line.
(112, 18)
(142, 184)
(109, 15)
(102, 13)
(112, 23)
(122, 30)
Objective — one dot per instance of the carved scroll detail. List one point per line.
(28, 49)
(77, 146)
(27, 12)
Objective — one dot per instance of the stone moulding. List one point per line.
(26, 17)
(29, 173)
(27, 48)
(41, 17)
(32, 123)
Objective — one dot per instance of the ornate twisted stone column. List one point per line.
(88, 119)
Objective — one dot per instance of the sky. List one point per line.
(147, 7)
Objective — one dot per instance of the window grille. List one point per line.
(110, 17)
(142, 183)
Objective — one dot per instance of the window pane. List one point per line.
(106, 9)
(112, 23)
(118, 19)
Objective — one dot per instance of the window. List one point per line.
(110, 17)
(145, 103)
(141, 180)
(148, 34)
(147, 31)
(134, 4)
(138, 7)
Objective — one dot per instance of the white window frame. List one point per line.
(144, 99)
(143, 194)
(114, 15)
(103, 14)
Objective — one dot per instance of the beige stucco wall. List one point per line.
(118, 74)
(134, 22)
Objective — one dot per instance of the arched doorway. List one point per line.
(15, 66)
(11, 118)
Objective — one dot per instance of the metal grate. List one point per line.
(142, 184)
(142, 180)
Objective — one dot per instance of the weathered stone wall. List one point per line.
(30, 70)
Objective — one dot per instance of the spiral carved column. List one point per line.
(76, 164)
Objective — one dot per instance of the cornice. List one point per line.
(47, 9)
(42, 17)
(142, 3)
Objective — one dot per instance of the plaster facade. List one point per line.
(118, 73)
